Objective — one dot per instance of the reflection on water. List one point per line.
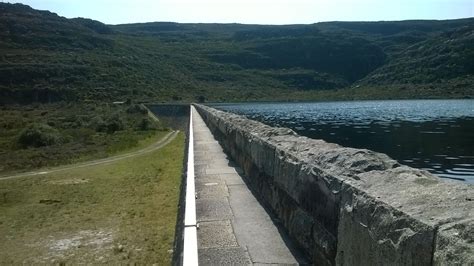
(435, 135)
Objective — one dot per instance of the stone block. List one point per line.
(371, 232)
(455, 244)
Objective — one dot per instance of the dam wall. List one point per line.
(175, 116)
(346, 206)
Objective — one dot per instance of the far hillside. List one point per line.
(48, 58)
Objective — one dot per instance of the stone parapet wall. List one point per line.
(349, 206)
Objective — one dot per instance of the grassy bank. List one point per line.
(124, 212)
(37, 136)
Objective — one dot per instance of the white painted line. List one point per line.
(190, 209)
(190, 252)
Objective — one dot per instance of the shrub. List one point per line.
(109, 125)
(38, 135)
(114, 123)
(137, 109)
(145, 124)
(98, 124)
(80, 134)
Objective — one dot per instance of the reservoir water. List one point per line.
(434, 135)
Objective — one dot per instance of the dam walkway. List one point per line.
(233, 227)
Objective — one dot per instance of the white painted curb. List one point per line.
(190, 252)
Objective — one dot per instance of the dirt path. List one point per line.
(157, 145)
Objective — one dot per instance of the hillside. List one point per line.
(46, 58)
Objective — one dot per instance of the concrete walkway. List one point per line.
(233, 227)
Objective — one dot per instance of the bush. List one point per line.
(98, 124)
(109, 125)
(38, 135)
(137, 109)
(80, 134)
(114, 123)
(145, 124)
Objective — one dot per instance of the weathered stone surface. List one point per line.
(454, 244)
(228, 256)
(232, 179)
(212, 209)
(233, 228)
(371, 232)
(216, 234)
(447, 207)
(210, 190)
(359, 207)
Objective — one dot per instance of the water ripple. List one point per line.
(436, 135)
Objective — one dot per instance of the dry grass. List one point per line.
(124, 212)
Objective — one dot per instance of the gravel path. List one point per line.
(155, 146)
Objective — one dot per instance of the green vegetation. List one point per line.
(37, 136)
(47, 58)
(58, 79)
(119, 213)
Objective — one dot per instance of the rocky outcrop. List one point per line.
(349, 206)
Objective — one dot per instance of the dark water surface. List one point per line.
(435, 135)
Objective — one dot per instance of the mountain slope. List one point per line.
(446, 56)
(44, 57)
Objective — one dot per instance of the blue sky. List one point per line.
(255, 11)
